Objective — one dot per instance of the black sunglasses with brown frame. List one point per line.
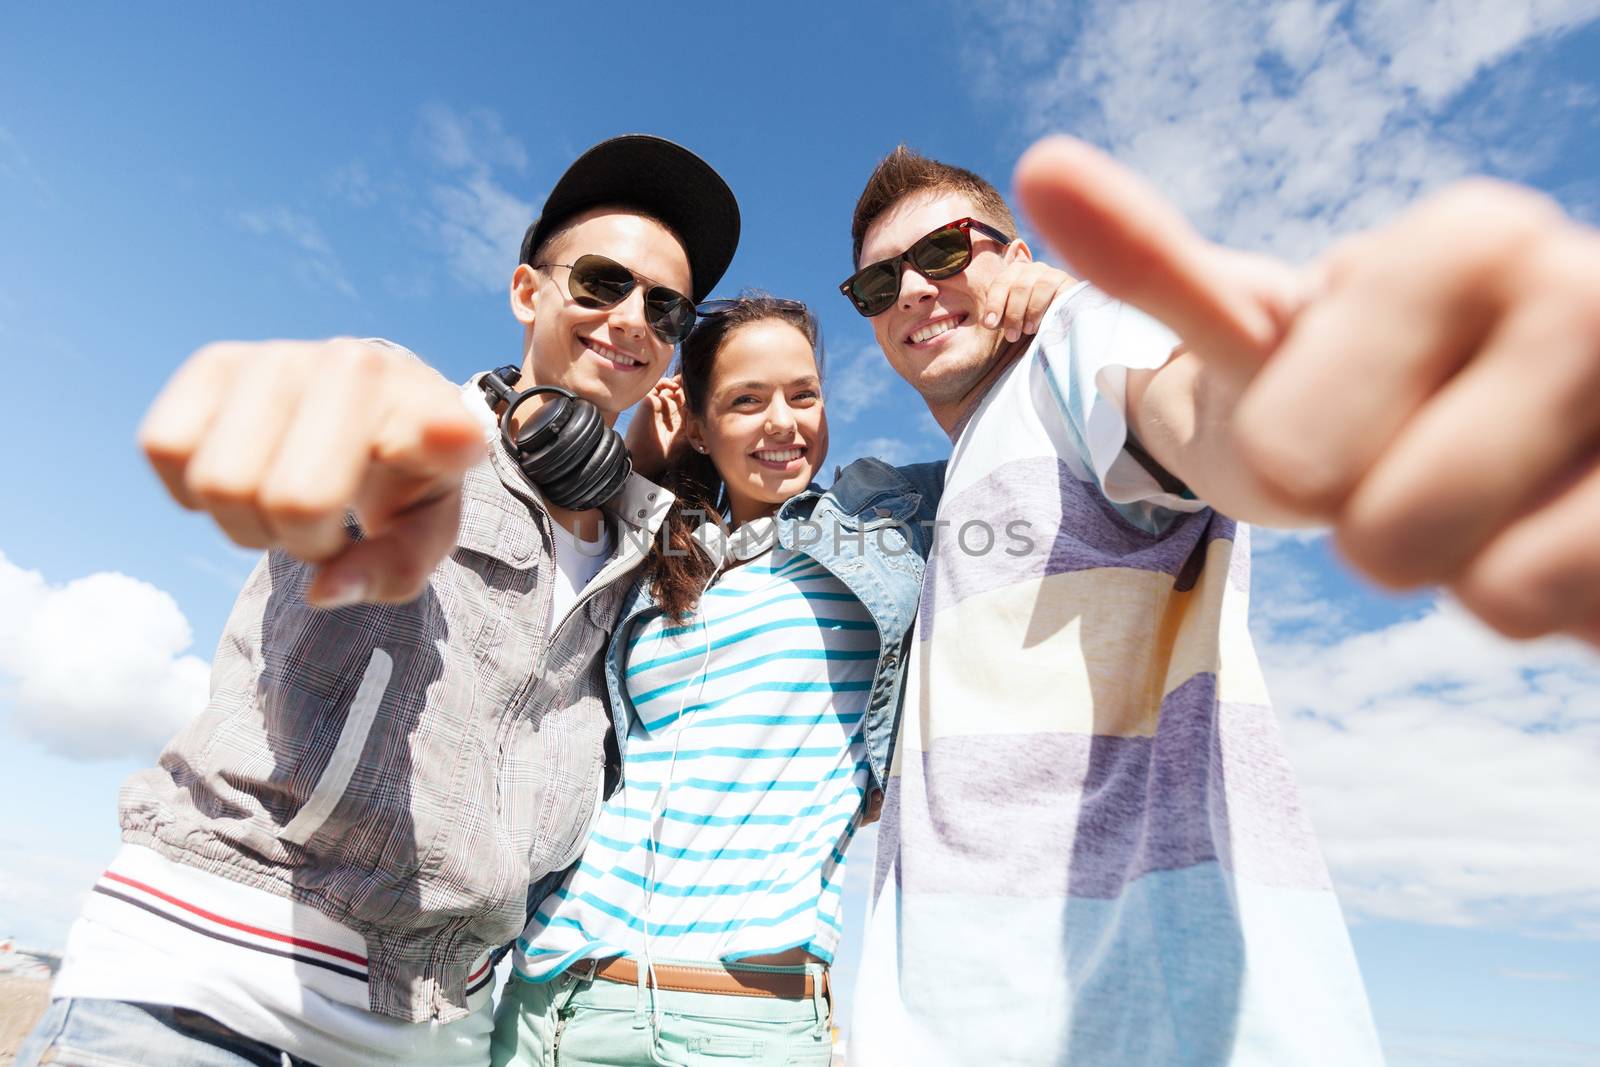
(944, 253)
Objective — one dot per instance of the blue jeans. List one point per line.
(112, 1033)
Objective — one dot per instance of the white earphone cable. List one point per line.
(647, 973)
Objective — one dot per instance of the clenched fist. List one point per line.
(278, 441)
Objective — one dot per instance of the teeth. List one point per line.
(781, 455)
(611, 354)
(933, 329)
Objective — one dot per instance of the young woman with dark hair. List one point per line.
(754, 677)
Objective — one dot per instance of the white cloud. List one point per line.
(1274, 126)
(915, 447)
(1582, 200)
(1541, 976)
(318, 264)
(1404, 1045)
(865, 397)
(1265, 539)
(479, 225)
(95, 668)
(474, 219)
(859, 380)
(42, 890)
(1452, 775)
(1437, 47)
(1284, 600)
(896, 450)
(232, 577)
(474, 140)
(353, 184)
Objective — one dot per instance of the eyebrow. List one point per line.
(809, 379)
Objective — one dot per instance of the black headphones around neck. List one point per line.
(566, 450)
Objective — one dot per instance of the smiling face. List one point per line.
(609, 356)
(932, 335)
(763, 424)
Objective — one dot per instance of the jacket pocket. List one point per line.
(335, 778)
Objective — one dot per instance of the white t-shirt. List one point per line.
(577, 562)
(158, 932)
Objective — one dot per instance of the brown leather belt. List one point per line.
(709, 978)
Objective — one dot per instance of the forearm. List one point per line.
(1182, 414)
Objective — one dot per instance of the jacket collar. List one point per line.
(641, 504)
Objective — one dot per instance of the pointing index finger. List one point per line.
(1122, 235)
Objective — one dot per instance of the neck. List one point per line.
(952, 414)
(743, 510)
(584, 525)
(527, 411)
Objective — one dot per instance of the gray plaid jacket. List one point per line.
(408, 770)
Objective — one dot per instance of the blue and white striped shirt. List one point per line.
(743, 784)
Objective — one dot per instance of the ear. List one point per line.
(1019, 252)
(524, 287)
(695, 430)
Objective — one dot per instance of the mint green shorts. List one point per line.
(571, 1021)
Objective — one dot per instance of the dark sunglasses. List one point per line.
(598, 282)
(944, 253)
(709, 308)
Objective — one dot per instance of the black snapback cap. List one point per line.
(661, 179)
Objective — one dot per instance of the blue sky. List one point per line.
(184, 174)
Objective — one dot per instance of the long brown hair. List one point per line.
(676, 568)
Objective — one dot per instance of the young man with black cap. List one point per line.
(393, 751)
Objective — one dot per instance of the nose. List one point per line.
(780, 420)
(627, 315)
(914, 288)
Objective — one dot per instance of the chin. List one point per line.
(954, 374)
(614, 396)
(768, 492)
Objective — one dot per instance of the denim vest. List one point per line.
(872, 530)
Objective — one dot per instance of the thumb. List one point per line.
(1120, 233)
(394, 566)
